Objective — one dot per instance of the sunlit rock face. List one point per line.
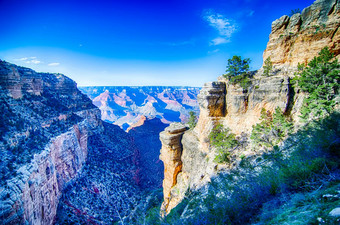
(188, 157)
(126, 106)
(171, 153)
(299, 38)
(296, 39)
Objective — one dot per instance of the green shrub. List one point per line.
(192, 119)
(303, 165)
(272, 129)
(294, 11)
(223, 141)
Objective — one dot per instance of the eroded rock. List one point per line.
(171, 153)
(299, 38)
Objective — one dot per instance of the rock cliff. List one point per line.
(299, 38)
(293, 40)
(60, 164)
(44, 133)
(224, 103)
(53, 145)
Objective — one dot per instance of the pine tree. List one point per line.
(192, 119)
(268, 67)
(237, 66)
(320, 79)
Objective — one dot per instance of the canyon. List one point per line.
(71, 159)
(59, 157)
(127, 107)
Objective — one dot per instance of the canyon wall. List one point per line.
(299, 38)
(293, 40)
(220, 102)
(44, 141)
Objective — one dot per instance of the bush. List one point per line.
(272, 129)
(302, 166)
(294, 11)
(223, 141)
(192, 119)
(268, 67)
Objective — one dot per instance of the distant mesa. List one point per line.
(129, 107)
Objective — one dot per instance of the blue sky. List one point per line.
(175, 42)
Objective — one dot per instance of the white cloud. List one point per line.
(54, 64)
(219, 40)
(29, 60)
(34, 61)
(214, 51)
(224, 26)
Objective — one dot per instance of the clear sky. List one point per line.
(161, 42)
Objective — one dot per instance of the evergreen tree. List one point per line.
(272, 129)
(223, 140)
(320, 79)
(237, 66)
(238, 71)
(192, 119)
(268, 67)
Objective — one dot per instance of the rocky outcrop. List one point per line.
(227, 104)
(34, 193)
(171, 153)
(49, 173)
(299, 38)
(244, 107)
(108, 186)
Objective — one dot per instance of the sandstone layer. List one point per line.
(299, 38)
(171, 153)
(227, 104)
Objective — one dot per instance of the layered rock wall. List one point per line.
(299, 38)
(227, 104)
(34, 193)
(45, 128)
(244, 107)
(293, 40)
